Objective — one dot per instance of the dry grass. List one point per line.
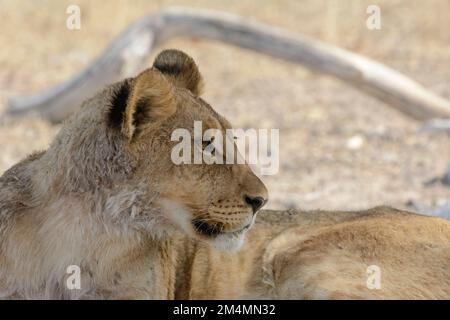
(316, 116)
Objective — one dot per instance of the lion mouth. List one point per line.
(211, 230)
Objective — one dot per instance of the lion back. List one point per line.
(16, 191)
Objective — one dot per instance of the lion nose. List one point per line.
(255, 202)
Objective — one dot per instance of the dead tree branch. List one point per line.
(129, 52)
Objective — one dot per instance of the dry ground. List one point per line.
(318, 118)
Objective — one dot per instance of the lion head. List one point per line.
(121, 141)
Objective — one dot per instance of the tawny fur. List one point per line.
(106, 197)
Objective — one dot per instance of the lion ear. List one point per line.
(180, 69)
(140, 101)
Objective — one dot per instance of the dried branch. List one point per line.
(129, 52)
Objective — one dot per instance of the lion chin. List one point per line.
(232, 242)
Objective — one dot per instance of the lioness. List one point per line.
(107, 198)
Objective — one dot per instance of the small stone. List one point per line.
(355, 142)
(443, 211)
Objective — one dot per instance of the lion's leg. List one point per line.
(300, 266)
(300, 276)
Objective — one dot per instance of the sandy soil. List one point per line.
(338, 147)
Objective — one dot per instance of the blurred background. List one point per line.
(339, 148)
